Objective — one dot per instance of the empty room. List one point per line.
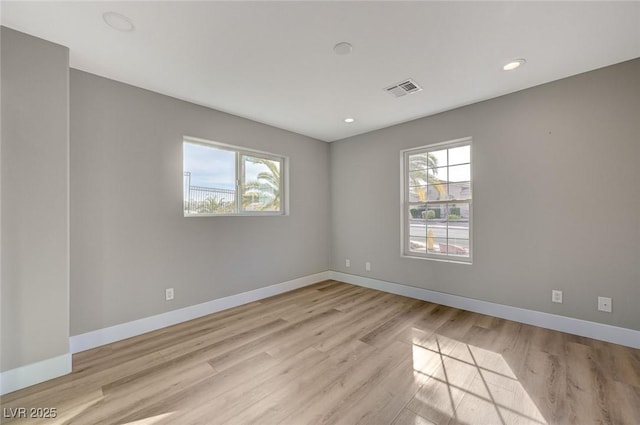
(320, 212)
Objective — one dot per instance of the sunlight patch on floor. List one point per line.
(71, 409)
(468, 384)
(150, 420)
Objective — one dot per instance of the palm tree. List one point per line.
(423, 171)
(214, 206)
(266, 187)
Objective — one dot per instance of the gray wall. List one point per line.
(555, 202)
(129, 240)
(555, 198)
(35, 206)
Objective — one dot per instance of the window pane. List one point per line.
(460, 155)
(419, 161)
(436, 213)
(460, 173)
(439, 246)
(437, 192)
(417, 244)
(460, 190)
(458, 212)
(209, 180)
(418, 194)
(418, 178)
(415, 211)
(261, 184)
(418, 228)
(437, 229)
(433, 245)
(458, 247)
(437, 158)
(438, 174)
(458, 229)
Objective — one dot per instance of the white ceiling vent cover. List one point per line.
(405, 87)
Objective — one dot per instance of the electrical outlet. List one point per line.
(604, 304)
(168, 294)
(367, 266)
(556, 296)
(347, 262)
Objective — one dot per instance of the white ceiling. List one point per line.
(273, 62)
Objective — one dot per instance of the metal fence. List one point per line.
(205, 199)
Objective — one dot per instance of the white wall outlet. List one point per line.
(604, 304)
(556, 296)
(367, 266)
(347, 263)
(168, 294)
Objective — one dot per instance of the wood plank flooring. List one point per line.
(333, 353)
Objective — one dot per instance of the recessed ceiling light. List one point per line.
(343, 48)
(349, 120)
(118, 22)
(514, 64)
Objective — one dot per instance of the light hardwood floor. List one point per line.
(334, 353)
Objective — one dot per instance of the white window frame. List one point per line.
(405, 204)
(241, 152)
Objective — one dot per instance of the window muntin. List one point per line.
(437, 201)
(227, 180)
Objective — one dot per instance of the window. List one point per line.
(227, 180)
(437, 201)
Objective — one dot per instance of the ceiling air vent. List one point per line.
(403, 88)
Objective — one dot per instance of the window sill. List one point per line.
(440, 260)
(273, 214)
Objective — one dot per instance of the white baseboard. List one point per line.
(617, 335)
(34, 373)
(122, 331)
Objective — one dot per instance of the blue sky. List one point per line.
(215, 168)
(209, 167)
